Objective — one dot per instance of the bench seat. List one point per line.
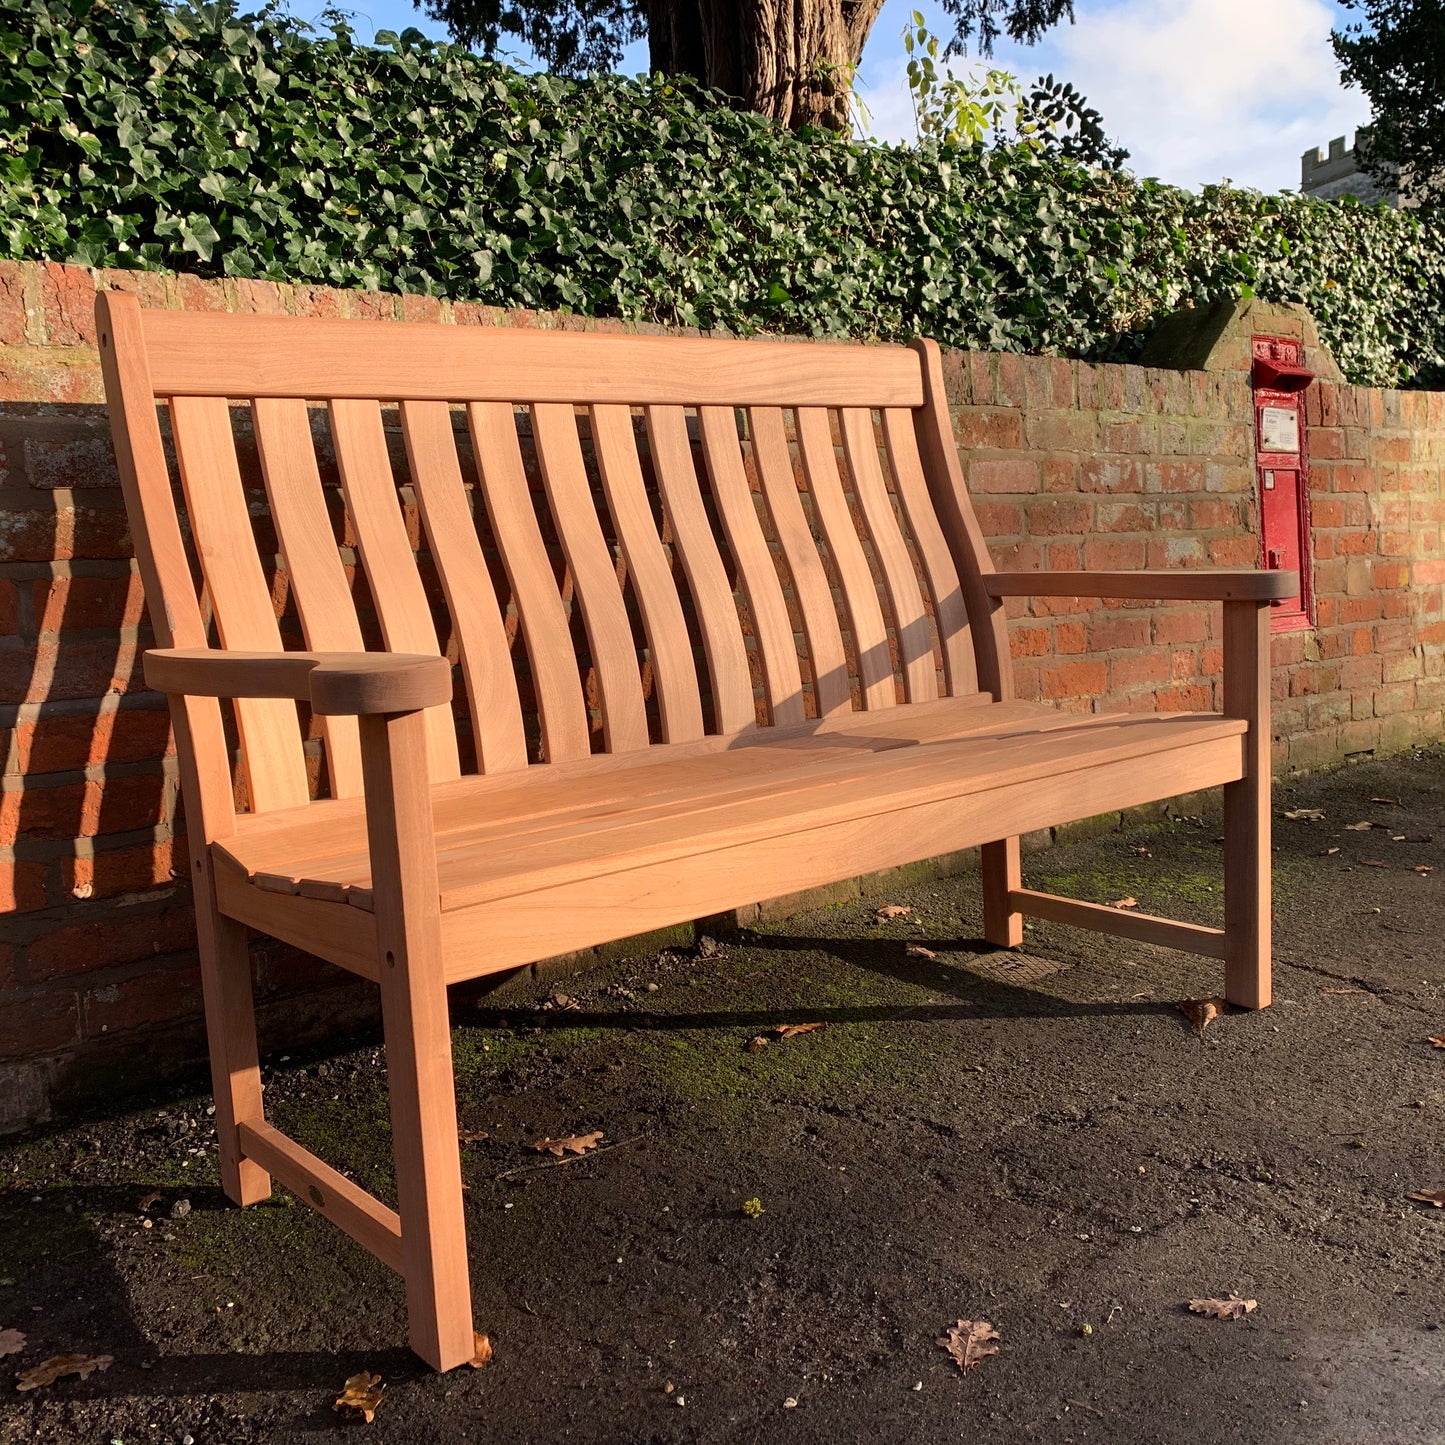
(584, 852)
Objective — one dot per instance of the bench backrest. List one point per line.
(650, 538)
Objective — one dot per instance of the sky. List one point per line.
(1196, 90)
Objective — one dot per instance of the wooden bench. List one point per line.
(753, 617)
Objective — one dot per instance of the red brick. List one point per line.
(1069, 637)
(59, 744)
(9, 610)
(67, 297)
(1030, 641)
(1003, 476)
(999, 519)
(74, 603)
(1109, 633)
(116, 937)
(1145, 669)
(67, 671)
(1002, 430)
(1125, 517)
(1049, 516)
(117, 871)
(153, 998)
(22, 885)
(30, 1026)
(1184, 699)
(1110, 474)
(1113, 555)
(33, 812)
(1074, 679)
(12, 303)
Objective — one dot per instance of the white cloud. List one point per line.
(1197, 90)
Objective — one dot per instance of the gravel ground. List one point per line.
(1037, 1140)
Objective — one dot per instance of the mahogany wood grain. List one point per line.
(538, 601)
(456, 549)
(312, 560)
(245, 618)
(594, 577)
(757, 574)
(1122, 923)
(826, 657)
(386, 555)
(702, 565)
(679, 702)
(254, 356)
(910, 624)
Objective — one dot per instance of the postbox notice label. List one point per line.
(1278, 429)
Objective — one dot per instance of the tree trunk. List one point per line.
(792, 60)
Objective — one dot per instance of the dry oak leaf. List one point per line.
(1429, 1196)
(11, 1342)
(471, 1136)
(891, 911)
(1358, 827)
(49, 1371)
(1395, 802)
(1233, 1308)
(1124, 903)
(146, 1200)
(1438, 1040)
(756, 1044)
(482, 1354)
(572, 1144)
(917, 950)
(1423, 868)
(362, 1392)
(970, 1341)
(1201, 1012)
(788, 1031)
(1305, 815)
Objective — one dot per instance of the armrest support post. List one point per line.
(1247, 808)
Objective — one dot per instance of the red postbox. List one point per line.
(1280, 377)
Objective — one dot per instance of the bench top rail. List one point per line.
(619, 540)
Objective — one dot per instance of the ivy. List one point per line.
(138, 134)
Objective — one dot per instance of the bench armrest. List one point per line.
(335, 683)
(1191, 584)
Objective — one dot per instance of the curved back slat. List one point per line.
(674, 675)
(829, 663)
(702, 565)
(386, 555)
(513, 520)
(860, 594)
(313, 563)
(451, 531)
(244, 615)
(757, 575)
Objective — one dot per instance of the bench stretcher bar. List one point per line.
(1142, 927)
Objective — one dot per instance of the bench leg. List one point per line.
(1003, 925)
(1247, 898)
(418, 1039)
(231, 1033)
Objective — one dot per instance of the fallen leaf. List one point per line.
(1142, 852)
(1329, 852)
(11, 1342)
(572, 1144)
(890, 911)
(788, 1031)
(1397, 837)
(472, 1136)
(482, 1354)
(1423, 868)
(1124, 903)
(146, 1200)
(1201, 1012)
(753, 1208)
(917, 950)
(362, 1392)
(756, 1044)
(970, 1341)
(1305, 815)
(1438, 1040)
(57, 1366)
(1372, 863)
(1233, 1308)
(1434, 1196)
(1394, 802)
(1358, 827)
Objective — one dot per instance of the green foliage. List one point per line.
(1396, 55)
(136, 135)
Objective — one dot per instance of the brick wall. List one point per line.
(1071, 465)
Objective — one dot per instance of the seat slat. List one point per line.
(950, 610)
(555, 679)
(757, 574)
(594, 576)
(860, 594)
(313, 562)
(831, 687)
(910, 622)
(451, 531)
(390, 565)
(245, 618)
(712, 596)
(673, 672)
